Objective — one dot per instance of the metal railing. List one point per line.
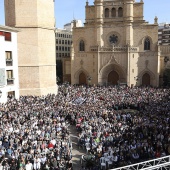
(162, 163)
(165, 49)
(114, 49)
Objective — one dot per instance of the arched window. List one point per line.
(81, 46)
(113, 12)
(106, 13)
(147, 44)
(120, 12)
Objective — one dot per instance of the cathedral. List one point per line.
(117, 46)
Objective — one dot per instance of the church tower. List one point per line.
(36, 44)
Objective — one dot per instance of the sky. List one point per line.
(67, 10)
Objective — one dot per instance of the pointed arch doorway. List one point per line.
(146, 80)
(113, 78)
(82, 79)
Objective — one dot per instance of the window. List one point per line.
(7, 35)
(62, 48)
(113, 12)
(120, 12)
(68, 42)
(65, 48)
(106, 13)
(8, 58)
(81, 46)
(56, 41)
(59, 41)
(59, 48)
(147, 44)
(62, 41)
(10, 79)
(56, 47)
(68, 48)
(11, 94)
(65, 41)
(1, 33)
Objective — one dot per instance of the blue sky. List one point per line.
(66, 10)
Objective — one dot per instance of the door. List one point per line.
(146, 79)
(113, 78)
(82, 79)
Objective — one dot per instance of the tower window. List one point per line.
(113, 12)
(120, 12)
(7, 36)
(81, 46)
(106, 13)
(147, 44)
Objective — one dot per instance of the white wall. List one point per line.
(9, 46)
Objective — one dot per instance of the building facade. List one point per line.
(9, 83)
(63, 43)
(63, 46)
(164, 34)
(36, 44)
(116, 45)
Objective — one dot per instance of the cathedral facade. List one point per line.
(116, 46)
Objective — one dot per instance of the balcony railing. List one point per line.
(114, 49)
(10, 81)
(9, 62)
(165, 49)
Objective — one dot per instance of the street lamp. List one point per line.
(0, 93)
(89, 80)
(136, 78)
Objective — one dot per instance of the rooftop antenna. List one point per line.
(73, 16)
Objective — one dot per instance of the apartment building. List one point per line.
(164, 34)
(9, 82)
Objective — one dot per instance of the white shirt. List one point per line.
(28, 166)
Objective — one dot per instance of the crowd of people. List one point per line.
(122, 124)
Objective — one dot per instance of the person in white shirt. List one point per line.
(29, 166)
(37, 163)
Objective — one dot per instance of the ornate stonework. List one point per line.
(119, 39)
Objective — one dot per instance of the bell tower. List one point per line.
(128, 20)
(36, 44)
(99, 21)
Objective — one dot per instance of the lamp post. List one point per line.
(89, 80)
(136, 78)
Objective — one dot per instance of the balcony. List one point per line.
(114, 49)
(10, 81)
(9, 62)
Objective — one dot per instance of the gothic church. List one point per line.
(116, 46)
